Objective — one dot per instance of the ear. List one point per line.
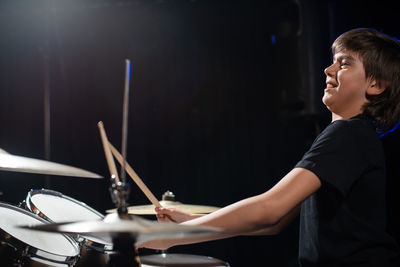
(374, 88)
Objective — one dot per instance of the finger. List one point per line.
(161, 210)
(165, 218)
(160, 217)
(169, 217)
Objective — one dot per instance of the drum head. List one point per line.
(60, 208)
(180, 260)
(54, 243)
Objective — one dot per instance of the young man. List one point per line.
(340, 182)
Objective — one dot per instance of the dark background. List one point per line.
(225, 98)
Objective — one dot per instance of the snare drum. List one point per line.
(180, 260)
(55, 207)
(23, 247)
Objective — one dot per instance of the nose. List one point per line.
(330, 70)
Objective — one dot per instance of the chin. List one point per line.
(325, 101)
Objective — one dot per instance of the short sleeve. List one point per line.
(336, 156)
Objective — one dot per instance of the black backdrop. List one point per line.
(225, 97)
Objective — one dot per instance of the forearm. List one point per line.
(245, 216)
(276, 229)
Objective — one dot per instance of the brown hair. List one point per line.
(380, 55)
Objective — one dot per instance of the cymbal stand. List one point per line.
(119, 192)
(123, 244)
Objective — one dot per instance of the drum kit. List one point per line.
(49, 228)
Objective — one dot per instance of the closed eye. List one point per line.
(343, 64)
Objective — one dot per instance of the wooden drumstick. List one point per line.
(135, 177)
(107, 152)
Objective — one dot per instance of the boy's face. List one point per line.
(346, 85)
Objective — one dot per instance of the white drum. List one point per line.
(23, 247)
(175, 260)
(55, 207)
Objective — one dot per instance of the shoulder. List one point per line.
(352, 129)
(355, 134)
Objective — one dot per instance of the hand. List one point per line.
(169, 214)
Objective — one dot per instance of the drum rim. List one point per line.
(31, 251)
(83, 239)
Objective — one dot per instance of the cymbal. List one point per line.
(149, 209)
(9, 162)
(140, 229)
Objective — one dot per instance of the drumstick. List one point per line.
(107, 152)
(135, 177)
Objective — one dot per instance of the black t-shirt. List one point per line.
(343, 223)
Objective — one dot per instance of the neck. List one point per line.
(336, 116)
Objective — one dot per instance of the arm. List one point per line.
(276, 229)
(266, 209)
(176, 215)
(256, 213)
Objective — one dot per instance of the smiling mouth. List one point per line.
(329, 86)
